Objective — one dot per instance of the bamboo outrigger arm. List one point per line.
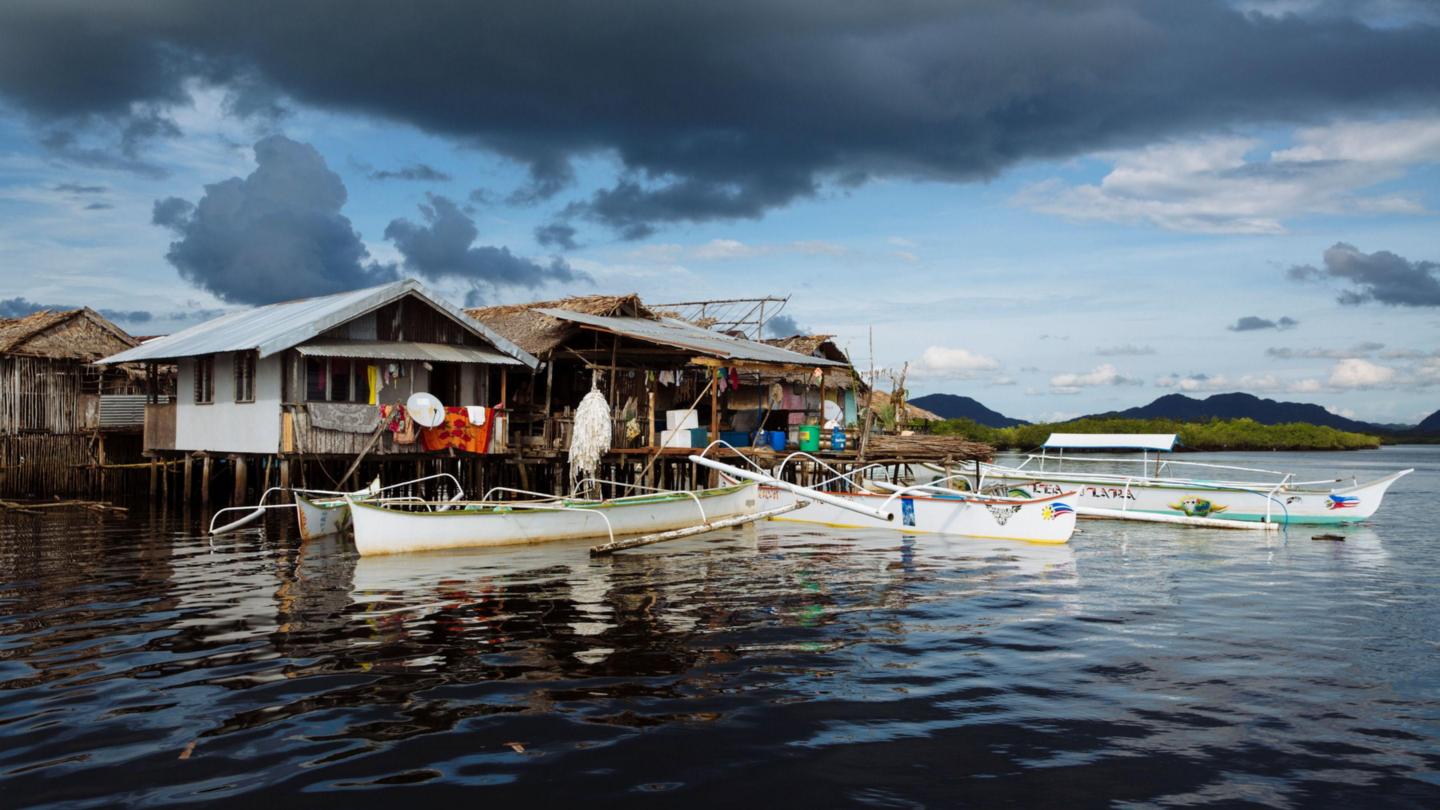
(804, 492)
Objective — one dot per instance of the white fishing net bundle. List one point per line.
(590, 438)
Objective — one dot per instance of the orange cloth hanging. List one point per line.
(457, 432)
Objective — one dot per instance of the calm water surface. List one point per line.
(141, 664)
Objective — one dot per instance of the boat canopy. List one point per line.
(1110, 441)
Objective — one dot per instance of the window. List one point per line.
(340, 379)
(336, 379)
(204, 380)
(245, 376)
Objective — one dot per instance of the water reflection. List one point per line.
(141, 663)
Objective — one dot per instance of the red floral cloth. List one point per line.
(457, 431)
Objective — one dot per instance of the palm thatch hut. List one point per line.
(55, 402)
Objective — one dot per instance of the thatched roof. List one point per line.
(812, 345)
(538, 333)
(78, 334)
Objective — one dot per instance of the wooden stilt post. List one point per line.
(241, 482)
(715, 417)
(186, 491)
(205, 469)
(154, 479)
(285, 477)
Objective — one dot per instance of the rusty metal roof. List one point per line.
(682, 335)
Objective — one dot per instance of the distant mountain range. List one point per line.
(1189, 409)
(953, 406)
(1430, 424)
(1243, 406)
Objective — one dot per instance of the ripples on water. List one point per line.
(140, 664)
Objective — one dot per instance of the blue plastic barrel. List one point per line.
(777, 441)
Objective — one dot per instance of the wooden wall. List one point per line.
(40, 395)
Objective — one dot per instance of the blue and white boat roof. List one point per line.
(1110, 441)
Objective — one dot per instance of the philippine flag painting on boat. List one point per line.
(1055, 510)
(1342, 502)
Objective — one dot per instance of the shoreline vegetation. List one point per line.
(1217, 434)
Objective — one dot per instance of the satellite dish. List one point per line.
(425, 409)
(833, 412)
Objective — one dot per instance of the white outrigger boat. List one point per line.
(393, 528)
(1155, 487)
(917, 509)
(320, 513)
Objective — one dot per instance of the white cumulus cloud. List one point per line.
(943, 361)
(1355, 372)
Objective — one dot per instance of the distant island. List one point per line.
(1221, 422)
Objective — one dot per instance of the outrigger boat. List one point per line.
(916, 509)
(320, 512)
(393, 528)
(1154, 489)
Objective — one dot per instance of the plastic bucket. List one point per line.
(777, 441)
(810, 438)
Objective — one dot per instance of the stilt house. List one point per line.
(650, 365)
(55, 401)
(312, 377)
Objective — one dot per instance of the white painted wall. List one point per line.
(227, 426)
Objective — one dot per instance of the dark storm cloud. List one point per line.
(783, 326)
(415, 171)
(556, 234)
(728, 110)
(275, 235)
(1252, 323)
(1380, 276)
(444, 248)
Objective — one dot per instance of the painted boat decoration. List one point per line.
(1153, 489)
(394, 528)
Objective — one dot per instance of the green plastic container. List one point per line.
(810, 438)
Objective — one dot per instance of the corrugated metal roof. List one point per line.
(277, 327)
(399, 350)
(677, 333)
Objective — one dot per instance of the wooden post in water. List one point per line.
(154, 479)
(285, 477)
(186, 490)
(205, 469)
(241, 474)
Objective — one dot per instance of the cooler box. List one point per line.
(699, 437)
(735, 438)
(674, 438)
(682, 419)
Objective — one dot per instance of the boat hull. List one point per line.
(321, 518)
(1039, 520)
(380, 530)
(1299, 506)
